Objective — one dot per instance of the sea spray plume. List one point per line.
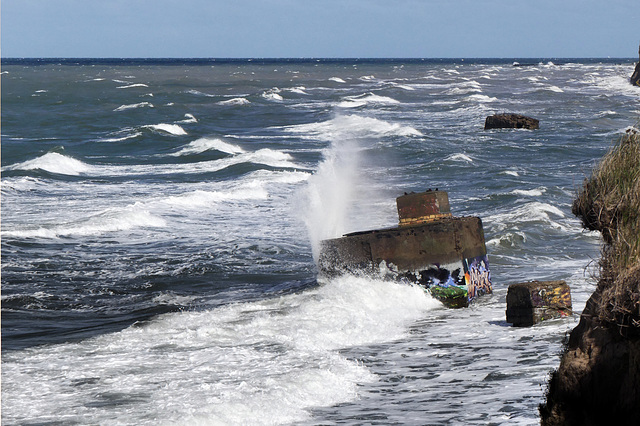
(330, 191)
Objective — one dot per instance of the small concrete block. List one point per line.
(536, 301)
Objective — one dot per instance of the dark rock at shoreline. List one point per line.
(510, 121)
(598, 380)
(635, 77)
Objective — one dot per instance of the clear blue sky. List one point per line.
(320, 28)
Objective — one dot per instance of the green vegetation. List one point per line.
(610, 203)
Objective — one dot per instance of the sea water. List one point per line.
(161, 221)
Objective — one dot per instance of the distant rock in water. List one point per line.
(510, 121)
(635, 77)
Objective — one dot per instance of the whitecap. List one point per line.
(109, 220)
(188, 118)
(272, 96)
(405, 87)
(510, 173)
(199, 93)
(279, 176)
(367, 77)
(199, 198)
(554, 89)
(129, 134)
(368, 98)
(172, 129)
(482, 98)
(19, 184)
(531, 212)
(351, 126)
(129, 86)
(132, 106)
(529, 192)
(205, 144)
(460, 157)
(462, 90)
(299, 90)
(337, 80)
(54, 163)
(235, 101)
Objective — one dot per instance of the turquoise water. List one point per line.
(160, 222)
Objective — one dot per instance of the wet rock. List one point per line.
(635, 77)
(511, 121)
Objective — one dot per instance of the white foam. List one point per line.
(199, 93)
(529, 193)
(205, 144)
(554, 89)
(54, 163)
(299, 90)
(172, 129)
(265, 362)
(460, 157)
(131, 135)
(508, 239)
(109, 220)
(273, 95)
(18, 184)
(403, 86)
(132, 106)
(482, 98)
(351, 126)
(463, 90)
(235, 101)
(129, 86)
(200, 198)
(266, 156)
(530, 212)
(368, 98)
(188, 119)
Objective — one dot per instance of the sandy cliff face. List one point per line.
(598, 381)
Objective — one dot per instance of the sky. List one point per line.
(319, 28)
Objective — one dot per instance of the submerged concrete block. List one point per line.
(532, 302)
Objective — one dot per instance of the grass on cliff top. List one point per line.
(610, 203)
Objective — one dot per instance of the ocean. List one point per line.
(161, 221)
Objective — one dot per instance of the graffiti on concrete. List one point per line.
(477, 276)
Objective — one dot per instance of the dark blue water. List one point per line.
(160, 220)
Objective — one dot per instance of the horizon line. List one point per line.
(110, 60)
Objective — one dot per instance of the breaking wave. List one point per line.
(133, 106)
(53, 162)
(204, 144)
(351, 126)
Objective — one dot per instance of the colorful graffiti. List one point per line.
(477, 276)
